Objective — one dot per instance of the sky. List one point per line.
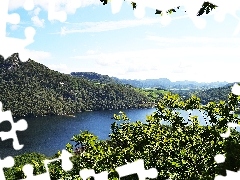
(129, 44)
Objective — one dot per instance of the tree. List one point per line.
(206, 8)
(179, 150)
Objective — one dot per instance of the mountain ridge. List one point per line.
(163, 83)
(32, 89)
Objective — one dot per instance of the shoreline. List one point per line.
(72, 114)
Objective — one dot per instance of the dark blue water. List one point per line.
(47, 135)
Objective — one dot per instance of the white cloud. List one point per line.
(101, 26)
(161, 54)
(206, 41)
(177, 63)
(15, 4)
(90, 2)
(37, 11)
(38, 22)
(63, 31)
(183, 67)
(14, 27)
(35, 19)
(39, 56)
(60, 68)
(92, 52)
(69, 6)
(107, 61)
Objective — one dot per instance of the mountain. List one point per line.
(162, 83)
(167, 84)
(148, 83)
(214, 94)
(32, 89)
(11, 63)
(94, 77)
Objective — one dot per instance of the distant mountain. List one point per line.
(162, 83)
(214, 91)
(32, 89)
(149, 83)
(167, 84)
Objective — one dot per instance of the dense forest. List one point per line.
(95, 77)
(155, 94)
(202, 90)
(208, 95)
(31, 89)
(178, 151)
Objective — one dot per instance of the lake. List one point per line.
(49, 134)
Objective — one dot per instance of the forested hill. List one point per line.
(215, 94)
(94, 77)
(31, 89)
(212, 94)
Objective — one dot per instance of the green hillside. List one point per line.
(97, 78)
(209, 95)
(214, 94)
(31, 89)
(154, 94)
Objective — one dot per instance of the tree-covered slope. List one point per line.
(154, 94)
(94, 77)
(30, 88)
(209, 95)
(214, 94)
(178, 151)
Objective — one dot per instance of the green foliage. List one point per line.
(153, 93)
(31, 89)
(179, 150)
(34, 159)
(206, 8)
(95, 77)
(208, 95)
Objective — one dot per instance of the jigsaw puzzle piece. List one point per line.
(6, 18)
(66, 162)
(28, 5)
(9, 45)
(7, 162)
(86, 173)
(28, 171)
(21, 125)
(66, 166)
(55, 15)
(138, 168)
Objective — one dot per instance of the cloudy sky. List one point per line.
(129, 45)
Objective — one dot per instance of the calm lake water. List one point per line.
(47, 135)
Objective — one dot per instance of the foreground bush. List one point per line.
(178, 151)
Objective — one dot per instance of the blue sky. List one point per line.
(94, 39)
